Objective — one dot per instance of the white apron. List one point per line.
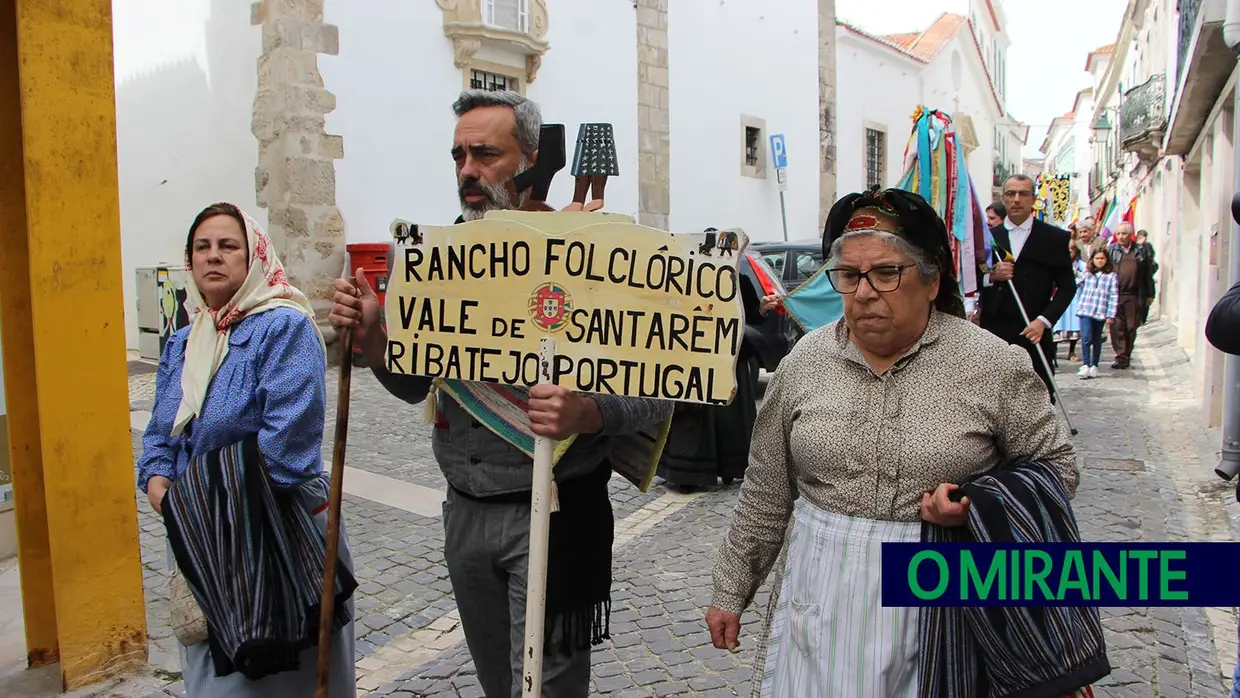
(830, 635)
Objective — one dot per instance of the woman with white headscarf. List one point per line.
(249, 368)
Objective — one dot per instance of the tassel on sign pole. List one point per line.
(541, 505)
(327, 601)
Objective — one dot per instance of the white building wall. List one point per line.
(734, 60)
(186, 78)
(398, 133)
(862, 63)
(969, 94)
(185, 81)
(896, 16)
(1082, 131)
(394, 82)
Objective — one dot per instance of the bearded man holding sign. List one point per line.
(487, 513)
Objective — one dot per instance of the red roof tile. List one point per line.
(1100, 51)
(925, 45)
(934, 38)
(904, 40)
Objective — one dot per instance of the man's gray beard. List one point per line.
(498, 199)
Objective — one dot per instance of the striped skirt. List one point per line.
(830, 635)
(198, 672)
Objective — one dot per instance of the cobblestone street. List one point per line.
(1147, 475)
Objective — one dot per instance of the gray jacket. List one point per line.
(476, 461)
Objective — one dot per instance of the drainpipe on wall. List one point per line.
(1229, 462)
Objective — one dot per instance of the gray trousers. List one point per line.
(486, 546)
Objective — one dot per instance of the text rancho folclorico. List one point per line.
(573, 259)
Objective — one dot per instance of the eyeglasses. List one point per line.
(884, 279)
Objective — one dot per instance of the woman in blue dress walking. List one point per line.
(1069, 326)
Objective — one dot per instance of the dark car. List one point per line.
(775, 268)
(794, 262)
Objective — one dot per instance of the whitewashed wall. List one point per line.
(186, 76)
(895, 16)
(729, 60)
(398, 130)
(968, 93)
(590, 74)
(862, 65)
(185, 80)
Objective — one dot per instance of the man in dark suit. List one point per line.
(1041, 272)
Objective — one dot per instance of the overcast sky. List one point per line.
(1046, 62)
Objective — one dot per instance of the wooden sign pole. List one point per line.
(540, 531)
(327, 601)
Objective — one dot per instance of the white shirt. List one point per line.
(1018, 234)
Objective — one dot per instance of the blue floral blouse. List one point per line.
(271, 383)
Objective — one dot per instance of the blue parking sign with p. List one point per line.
(779, 151)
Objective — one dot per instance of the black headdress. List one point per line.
(907, 215)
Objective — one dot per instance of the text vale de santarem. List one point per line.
(609, 349)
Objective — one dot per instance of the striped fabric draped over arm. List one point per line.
(1005, 651)
(253, 558)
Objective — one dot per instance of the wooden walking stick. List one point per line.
(327, 601)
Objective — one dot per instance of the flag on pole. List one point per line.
(1115, 216)
(1130, 216)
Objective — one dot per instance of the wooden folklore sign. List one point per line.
(635, 311)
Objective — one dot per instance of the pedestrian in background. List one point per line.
(707, 443)
(1068, 329)
(1097, 300)
(1033, 255)
(995, 213)
(1143, 239)
(1135, 275)
(1087, 240)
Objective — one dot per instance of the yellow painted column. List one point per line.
(62, 310)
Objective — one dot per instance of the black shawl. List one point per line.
(253, 558)
(1011, 652)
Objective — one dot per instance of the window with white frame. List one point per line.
(507, 14)
(875, 156)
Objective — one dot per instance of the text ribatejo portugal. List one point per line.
(634, 311)
(1062, 574)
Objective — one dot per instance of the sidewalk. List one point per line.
(1147, 475)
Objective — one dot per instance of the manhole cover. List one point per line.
(1115, 464)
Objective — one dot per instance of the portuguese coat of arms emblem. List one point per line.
(549, 307)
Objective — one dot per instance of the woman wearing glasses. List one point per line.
(865, 426)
